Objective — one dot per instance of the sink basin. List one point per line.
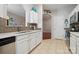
(23, 31)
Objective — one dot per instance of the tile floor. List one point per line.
(53, 46)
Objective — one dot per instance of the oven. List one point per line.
(7, 45)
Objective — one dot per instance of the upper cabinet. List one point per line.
(74, 15)
(3, 10)
(33, 15)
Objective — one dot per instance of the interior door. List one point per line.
(46, 26)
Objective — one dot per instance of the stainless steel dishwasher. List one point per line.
(7, 45)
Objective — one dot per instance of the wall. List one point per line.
(27, 8)
(58, 19)
(46, 23)
(40, 14)
(20, 20)
(58, 25)
(3, 10)
(4, 28)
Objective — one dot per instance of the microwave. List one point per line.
(74, 18)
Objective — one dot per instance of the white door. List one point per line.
(58, 26)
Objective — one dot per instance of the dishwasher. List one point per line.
(7, 45)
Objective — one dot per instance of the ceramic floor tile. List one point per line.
(51, 47)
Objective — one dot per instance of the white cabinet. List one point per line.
(35, 39)
(22, 43)
(33, 17)
(25, 43)
(78, 45)
(39, 35)
(73, 43)
(32, 40)
(3, 10)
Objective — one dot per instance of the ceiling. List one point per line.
(59, 7)
(19, 10)
(16, 9)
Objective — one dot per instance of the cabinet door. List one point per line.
(32, 40)
(36, 18)
(22, 47)
(73, 44)
(31, 16)
(38, 34)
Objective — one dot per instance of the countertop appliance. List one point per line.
(33, 26)
(74, 27)
(7, 45)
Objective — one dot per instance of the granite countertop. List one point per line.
(9, 34)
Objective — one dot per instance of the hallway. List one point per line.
(51, 47)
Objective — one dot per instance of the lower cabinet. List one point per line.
(73, 44)
(32, 40)
(22, 47)
(35, 39)
(78, 45)
(25, 43)
(22, 44)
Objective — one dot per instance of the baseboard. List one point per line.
(59, 38)
(34, 48)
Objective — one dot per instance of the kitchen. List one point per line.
(21, 28)
(15, 36)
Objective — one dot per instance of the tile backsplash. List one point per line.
(4, 28)
(10, 29)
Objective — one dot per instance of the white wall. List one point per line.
(40, 18)
(27, 8)
(20, 20)
(58, 24)
(3, 10)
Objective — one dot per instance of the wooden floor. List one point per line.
(53, 46)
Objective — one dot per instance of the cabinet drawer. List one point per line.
(22, 37)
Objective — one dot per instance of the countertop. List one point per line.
(67, 29)
(75, 33)
(9, 34)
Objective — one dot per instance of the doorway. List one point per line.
(46, 26)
